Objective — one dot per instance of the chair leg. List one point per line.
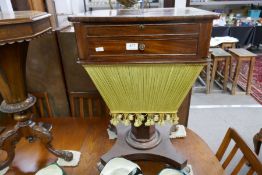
(257, 140)
(72, 106)
(208, 77)
(250, 75)
(234, 85)
(213, 75)
(226, 74)
(231, 68)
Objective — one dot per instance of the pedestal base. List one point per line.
(163, 152)
(31, 131)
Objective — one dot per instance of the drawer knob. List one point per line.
(142, 47)
(141, 26)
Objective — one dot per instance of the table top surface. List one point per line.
(151, 14)
(90, 138)
(242, 52)
(22, 17)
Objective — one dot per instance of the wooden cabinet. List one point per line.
(173, 38)
(153, 37)
(144, 36)
(37, 5)
(142, 29)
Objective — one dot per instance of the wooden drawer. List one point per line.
(141, 29)
(171, 46)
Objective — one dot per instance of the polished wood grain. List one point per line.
(182, 34)
(12, 75)
(30, 24)
(175, 46)
(249, 156)
(140, 15)
(90, 137)
(141, 29)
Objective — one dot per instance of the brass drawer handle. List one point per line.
(142, 47)
(141, 26)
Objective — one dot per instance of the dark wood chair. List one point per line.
(248, 157)
(42, 108)
(87, 104)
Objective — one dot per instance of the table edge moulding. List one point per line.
(128, 47)
(16, 31)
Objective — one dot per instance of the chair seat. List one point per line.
(218, 52)
(242, 52)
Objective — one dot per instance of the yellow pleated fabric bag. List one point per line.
(139, 91)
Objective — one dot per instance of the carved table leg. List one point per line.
(257, 141)
(31, 131)
(8, 143)
(46, 138)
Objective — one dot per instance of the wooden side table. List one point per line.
(16, 31)
(220, 55)
(242, 55)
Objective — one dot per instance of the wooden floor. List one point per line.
(90, 138)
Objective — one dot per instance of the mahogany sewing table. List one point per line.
(90, 137)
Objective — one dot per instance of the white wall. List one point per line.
(180, 3)
(63, 6)
(6, 6)
(67, 7)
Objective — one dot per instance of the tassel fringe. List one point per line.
(146, 119)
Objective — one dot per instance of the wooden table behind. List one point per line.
(90, 137)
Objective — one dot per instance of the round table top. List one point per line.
(90, 137)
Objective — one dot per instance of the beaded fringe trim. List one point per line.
(139, 119)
